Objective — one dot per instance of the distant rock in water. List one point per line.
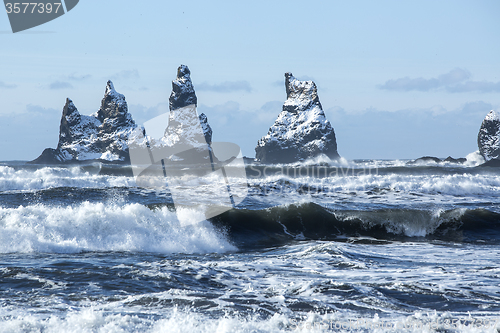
(301, 130)
(460, 160)
(101, 136)
(107, 134)
(488, 139)
(449, 159)
(428, 159)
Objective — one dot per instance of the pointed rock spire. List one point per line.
(301, 130)
(110, 88)
(113, 104)
(70, 118)
(183, 93)
(301, 95)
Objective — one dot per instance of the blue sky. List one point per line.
(397, 79)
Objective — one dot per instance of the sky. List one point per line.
(397, 79)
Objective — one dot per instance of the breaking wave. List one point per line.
(139, 228)
(27, 178)
(100, 227)
(309, 221)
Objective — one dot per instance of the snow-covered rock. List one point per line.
(75, 127)
(100, 136)
(116, 126)
(187, 137)
(107, 134)
(183, 95)
(301, 130)
(488, 139)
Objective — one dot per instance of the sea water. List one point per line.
(361, 246)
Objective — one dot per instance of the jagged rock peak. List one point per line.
(113, 104)
(70, 118)
(488, 138)
(100, 136)
(301, 130)
(301, 95)
(492, 116)
(111, 92)
(75, 132)
(109, 87)
(70, 112)
(183, 71)
(183, 93)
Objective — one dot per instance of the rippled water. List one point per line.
(370, 245)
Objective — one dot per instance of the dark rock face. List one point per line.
(101, 136)
(460, 160)
(207, 130)
(182, 89)
(301, 130)
(187, 138)
(70, 120)
(488, 139)
(107, 134)
(50, 156)
(116, 125)
(428, 159)
(183, 95)
(449, 159)
(493, 163)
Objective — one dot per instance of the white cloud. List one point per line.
(479, 86)
(141, 113)
(455, 76)
(74, 77)
(132, 74)
(60, 85)
(455, 81)
(225, 87)
(4, 85)
(409, 133)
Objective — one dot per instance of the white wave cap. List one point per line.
(101, 227)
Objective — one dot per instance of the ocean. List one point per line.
(350, 246)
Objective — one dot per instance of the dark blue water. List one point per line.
(378, 245)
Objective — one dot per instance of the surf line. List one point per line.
(310, 171)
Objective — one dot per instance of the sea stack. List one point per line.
(488, 139)
(301, 130)
(187, 138)
(183, 95)
(101, 136)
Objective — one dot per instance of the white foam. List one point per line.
(100, 227)
(273, 280)
(379, 188)
(177, 321)
(474, 159)
(49, 177)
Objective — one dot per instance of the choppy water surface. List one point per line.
(358, 246)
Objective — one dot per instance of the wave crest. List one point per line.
(100, 227)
